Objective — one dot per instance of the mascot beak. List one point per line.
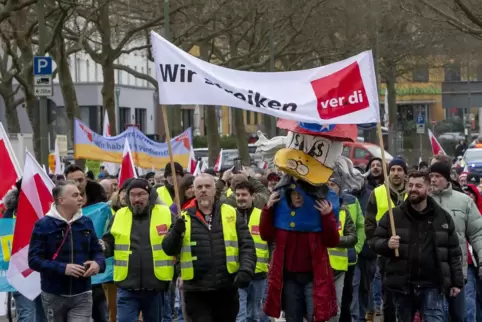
(298, 164)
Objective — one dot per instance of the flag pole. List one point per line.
(171, 158)
(387, 184)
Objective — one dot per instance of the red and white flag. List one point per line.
(128, 169)
(192, 165)
(436, 147)
(34, 202)
(219, 161)
(110, 167)
(11, 171)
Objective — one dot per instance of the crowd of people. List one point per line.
(215, 260)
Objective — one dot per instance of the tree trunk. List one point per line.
(214, 144)
(108, 92)
(210, 117)
(241, 136)
(66, 83)
(392, 109)
(13, 125)
(33, 114)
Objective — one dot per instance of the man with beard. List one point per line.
(142, 271)
(251, 297)
(468, 225)
(166, 192)
(377, 207)
(217, 254)
(429, 263)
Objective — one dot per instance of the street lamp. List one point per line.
(117, 108)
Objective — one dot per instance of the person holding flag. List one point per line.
(65, 250)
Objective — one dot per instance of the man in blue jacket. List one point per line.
(66, 251)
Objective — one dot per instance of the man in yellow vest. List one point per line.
(166, 192)
(252, 296)
(339, 255)
(142, 271)
(377, 207)
(217, 255)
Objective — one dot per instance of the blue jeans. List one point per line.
(178, 305)
(297, 299)
(366, 293)
(377, 302)
(471, 293)
(250, 302)
(131, 303)
(29, 311)
(430, 302)
(166, 306)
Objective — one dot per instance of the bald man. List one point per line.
(107, 185)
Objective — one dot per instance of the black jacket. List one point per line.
(141, 265)
(210, 272)
(444, 254)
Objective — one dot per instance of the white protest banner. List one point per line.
(340, 93)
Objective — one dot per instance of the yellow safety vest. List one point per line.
(339, 256)
(159, 226)
(165, 195)
(229, 192)
(382, 202)
(262, 251)
(228, 219)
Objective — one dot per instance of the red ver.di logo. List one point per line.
(340, 93)
(161, 230)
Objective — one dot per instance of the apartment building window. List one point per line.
(77, 69)
(119, 77)
(87, 70)
(420, 73)
(135, 78)
(143, 81)
(124, 117)
(452, 72)
(96, 71)
(187, 118)
(141, 118)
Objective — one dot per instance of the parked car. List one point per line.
(473, 159)
(361, 153)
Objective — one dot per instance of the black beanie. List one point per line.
(441, 168)
(139, 183)
(398, 161)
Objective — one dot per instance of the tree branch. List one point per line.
(136, 74)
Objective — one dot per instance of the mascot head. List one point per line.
(313, 152)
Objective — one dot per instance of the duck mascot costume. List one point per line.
(300, 279)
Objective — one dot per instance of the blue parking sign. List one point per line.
(42, 65)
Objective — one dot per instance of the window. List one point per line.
(135, 78)
(420, 73)
(96, 68)
(346, 151)
(187, 118)
(143, 81)
(77, 69)
(124, 117)
(87, 70)
(141, 119)
(361, 153)
(452, 73)
(119, 76)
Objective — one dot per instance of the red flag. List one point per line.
(436, 147)
(191, 167)
(11, 172)
(34, 202)
(219, 161)
(127, 170)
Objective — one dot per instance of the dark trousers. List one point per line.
(212, 306)
(347, 297)
(457, 307)
(99, 305)
(388, 307)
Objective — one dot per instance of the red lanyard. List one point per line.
(62, 244)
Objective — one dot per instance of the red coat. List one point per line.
(324, 293)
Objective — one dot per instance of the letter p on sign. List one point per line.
(340, 93)
(42, 65)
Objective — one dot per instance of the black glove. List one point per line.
(180, 226)
(242, 279)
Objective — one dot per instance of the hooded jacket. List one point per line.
(56, 242)
(467, 219)
(141, 265)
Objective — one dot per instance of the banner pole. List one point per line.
(171, 158)
(387, 183)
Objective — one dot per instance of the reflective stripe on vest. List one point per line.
(159, 226)
(262, 251)
(228, 218)
(165, 196)
(382, 202)
(229, 192)
(339, 256)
